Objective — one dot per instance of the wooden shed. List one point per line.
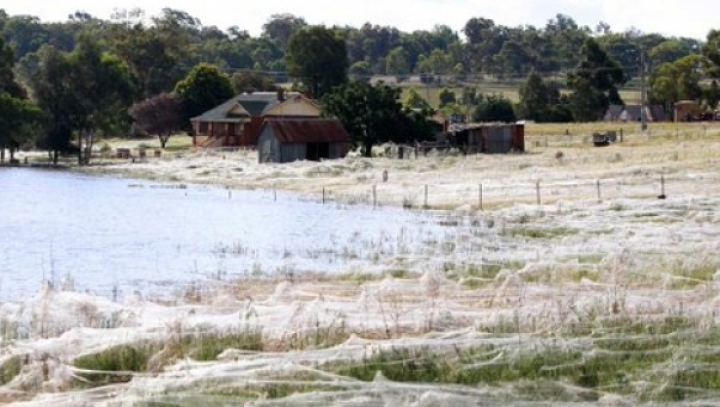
(687, 111)
(287, 140)
(492, 138)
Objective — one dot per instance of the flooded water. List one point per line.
(110, 233)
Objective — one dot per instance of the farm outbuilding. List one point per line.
(632, 113)
(687, 111)
(489, 138)
(287, 140)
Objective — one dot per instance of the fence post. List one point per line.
(480, 196)
(229, 194)
(537, 191)
(374, 195)
(597, 183)
(662, 187)
(275, 195)
(323, 198)
(426, 197)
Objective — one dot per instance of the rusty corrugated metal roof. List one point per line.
(308, 130)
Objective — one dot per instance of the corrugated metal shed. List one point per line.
(286, 139)
(493, 138)
(308, 130)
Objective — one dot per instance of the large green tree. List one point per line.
(17, 113)
(318, 57)
(19, 119)
(679, 80)
(53, 88)
(669, 51)
(534, 98)
(84, 94)
(375, 114)
(711, 51)
(102, 84)
(161, 50)
(203, 88)
(594, 82)
(156, 55)
(281, 27)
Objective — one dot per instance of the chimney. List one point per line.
(280, 94)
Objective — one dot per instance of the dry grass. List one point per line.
(538, 299)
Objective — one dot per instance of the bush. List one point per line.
(494, 108)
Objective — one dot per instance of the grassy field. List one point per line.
(601, 295)
(532, 132)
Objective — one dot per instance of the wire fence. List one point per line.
(493, 194)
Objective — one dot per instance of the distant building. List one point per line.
(237, 122)
(632, 113)
(491, 138)
(687, 111)
(286, 140)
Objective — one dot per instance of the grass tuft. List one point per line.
(10, 369)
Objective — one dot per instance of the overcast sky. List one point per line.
(668, 17)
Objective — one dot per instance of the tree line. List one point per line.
(481, 47)
(63, 85)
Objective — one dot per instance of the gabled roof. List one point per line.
(633, 112)
(219, 113)
(255, 104)
(310, 130)
(658, 113)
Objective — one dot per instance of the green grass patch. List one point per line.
(208, 346)
(539, 233)
(581, 274)
(358, 278)
(658, 363)
(10, 369)
(324, 172)
(617, 207)
(400, 273)
(273, 391)
(590, 258)
(690, 278)
(478, 275)
(120, 362)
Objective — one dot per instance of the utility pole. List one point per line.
(643, 93)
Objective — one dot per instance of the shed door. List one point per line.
(318, 151)
(268, 148)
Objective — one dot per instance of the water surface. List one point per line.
(110, 232)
